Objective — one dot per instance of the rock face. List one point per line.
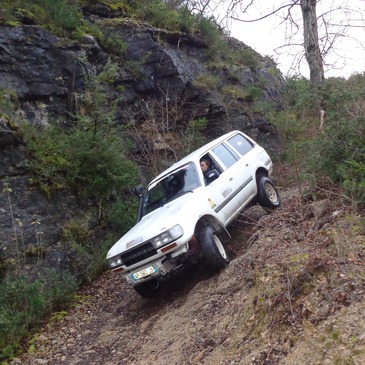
(43, 76)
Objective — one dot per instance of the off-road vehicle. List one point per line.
(184, 213)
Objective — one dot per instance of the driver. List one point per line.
(209, 173)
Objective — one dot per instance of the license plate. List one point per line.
(143, 273)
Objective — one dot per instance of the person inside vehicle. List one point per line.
(209, 173)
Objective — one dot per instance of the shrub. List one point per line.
(253, 92)
(122, 213)
(187, 21)
(194, 137)
(62, 17)
(337, 150)
(113, 42)
(341, 145)
(248, 58)
(218, 47)
(206, 82)
(8, 101)
(90, 254)
(235, 92)
(157, 13)
(64, 14)
(299, 97)
(24, 304)
(90, 157)
(353, 178)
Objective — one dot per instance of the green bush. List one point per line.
(24, 305)
(353, 178)
(248, 58)
(299, 97)
(112, 41)
(341, 145)
(8, 101)
(206, 82)
(194, 137)
(187, 21)
(77, 235)
(61, 16)
(249, 93)
(98, 264)
(337, 150)
(63, 13)
(157, 13)
(92, 165)
(218, 50)
(253, 92)
(90, 156)
(123, 212)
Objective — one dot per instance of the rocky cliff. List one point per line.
(160, 74)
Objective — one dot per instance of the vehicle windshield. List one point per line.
(179, 182)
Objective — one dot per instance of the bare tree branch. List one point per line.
(267, 15)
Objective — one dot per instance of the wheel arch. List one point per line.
(209, 220)
(261, 172)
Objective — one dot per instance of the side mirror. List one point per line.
(138, 190)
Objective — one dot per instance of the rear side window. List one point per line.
(225, 155)
(240, 144)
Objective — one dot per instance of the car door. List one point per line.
(245, 169)
(225, 189)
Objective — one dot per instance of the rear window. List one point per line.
(225, 155)
(240, 144)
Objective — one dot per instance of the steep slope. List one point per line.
(294, 294)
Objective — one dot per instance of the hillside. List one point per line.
(294, 294)
(80, 128)
(94, 100)
(99, 96)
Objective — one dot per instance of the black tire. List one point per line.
(213, 248)
(267, 194)
(148, 289)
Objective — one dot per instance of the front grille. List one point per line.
(138, 254)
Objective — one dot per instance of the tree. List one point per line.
(320, 33)
(312, 50)
(311, 46)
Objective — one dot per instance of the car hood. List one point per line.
(154, 223)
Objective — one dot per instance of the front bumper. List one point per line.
(161, 267)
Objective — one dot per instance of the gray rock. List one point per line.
(47, 73)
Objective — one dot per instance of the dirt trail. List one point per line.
(284, 299)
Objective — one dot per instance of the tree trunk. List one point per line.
(311, 43)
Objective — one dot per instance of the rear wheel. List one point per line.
(213, 248)
(148, 289)
(267, 194)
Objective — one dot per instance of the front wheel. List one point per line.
(267, 194)
(213, 248)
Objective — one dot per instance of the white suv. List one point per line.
(183, 214)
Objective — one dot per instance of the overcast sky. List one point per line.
(271, 36)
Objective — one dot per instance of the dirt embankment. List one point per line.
(294, 294)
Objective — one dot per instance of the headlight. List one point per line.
(114, 262)
(168, 236)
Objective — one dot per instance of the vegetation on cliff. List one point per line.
(90, 155)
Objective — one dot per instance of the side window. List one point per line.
(225, 155)
(240, 144)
